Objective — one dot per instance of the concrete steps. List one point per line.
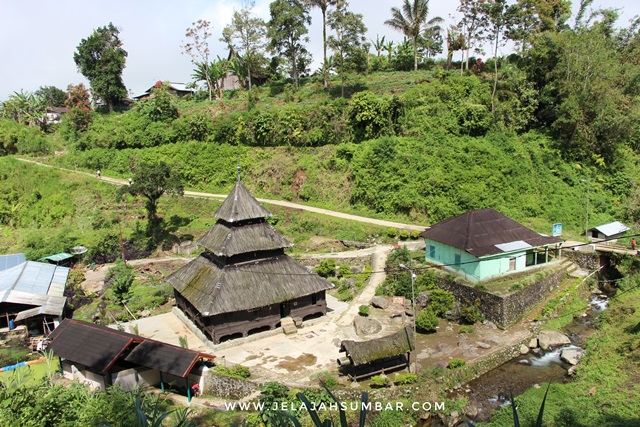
(288, 326)
(572, 269)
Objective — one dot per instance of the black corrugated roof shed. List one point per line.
(165, 357)
(478, 232)
(99, 347)
(94, 346)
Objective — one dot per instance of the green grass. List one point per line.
(606, 390)
(30, 374)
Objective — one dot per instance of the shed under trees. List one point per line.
(243, 282)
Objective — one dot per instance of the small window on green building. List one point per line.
(432, 251)
(456, 258)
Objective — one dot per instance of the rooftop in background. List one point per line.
(486, 232)
(179, 89)
(33, 277)
(612, 228)
(11, 260)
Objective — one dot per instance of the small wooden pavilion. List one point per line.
(366, 358)
(243, 282)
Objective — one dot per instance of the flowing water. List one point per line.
(492, 390)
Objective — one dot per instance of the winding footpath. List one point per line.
(383, 223)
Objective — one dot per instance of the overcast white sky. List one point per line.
(38, 37)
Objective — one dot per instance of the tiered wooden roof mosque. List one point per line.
(243, 266)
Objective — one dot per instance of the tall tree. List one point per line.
(287, 32)
(472, 24)
(101, 59)
(78, 102)
(52, 96)
(347, 40)
(152, 181)
(496, 16)
(245, 36)
(198, 49)
(322, 5)
(411, 20)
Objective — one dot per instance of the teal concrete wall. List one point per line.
(471, 267)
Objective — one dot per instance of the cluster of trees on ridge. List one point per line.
(474, 130)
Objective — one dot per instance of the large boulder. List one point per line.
(422, 300)
(552, 339)
(366, 326)
(571, 355)
(379, 302)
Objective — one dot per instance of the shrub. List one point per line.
(404, 379)
(120, 278)
(404, 234)
(236, 371)
(466, 329)
(415, 234)
(427, 320)
(326, 378)
(392, 232)
(456, 363)
(471, 313)
(344, 271)
(327, 268)
(379, 381)
(363, 310)
(441, 301)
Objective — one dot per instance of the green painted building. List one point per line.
(484, 244)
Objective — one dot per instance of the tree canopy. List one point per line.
(101, 59)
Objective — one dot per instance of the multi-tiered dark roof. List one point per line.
(244, 270)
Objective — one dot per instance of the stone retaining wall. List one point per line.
(586, 260)
(227, 387)
(503, 310)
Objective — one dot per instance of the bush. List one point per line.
(427, 320)
(456, 363)
(344, 271)
(120, 278)
(415, 234)
(363, 310)
(466, 329)
(404, 379)
(379, 381)
(327, 268)
(441, 301)
(236, 371)
(392, 232)
(404, 234)
(471, 313)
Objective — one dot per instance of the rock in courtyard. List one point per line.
(379, 302)
(524, 349)
(533, 343)
(552, 339)
(366, 326)
(422, 300)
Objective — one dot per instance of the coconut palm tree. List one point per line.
(411, 20)
(322, 5)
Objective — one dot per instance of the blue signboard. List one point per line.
(556, 229)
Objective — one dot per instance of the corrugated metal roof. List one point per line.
(513, 246)
(62, 256)
(11, 260)
(612, 228)
(479, 232)
(34, 278)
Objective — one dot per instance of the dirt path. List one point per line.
(118, 181)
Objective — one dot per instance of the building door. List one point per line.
(285, 310)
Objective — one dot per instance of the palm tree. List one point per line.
(323, 4)
(378, 44)
(411, 20)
